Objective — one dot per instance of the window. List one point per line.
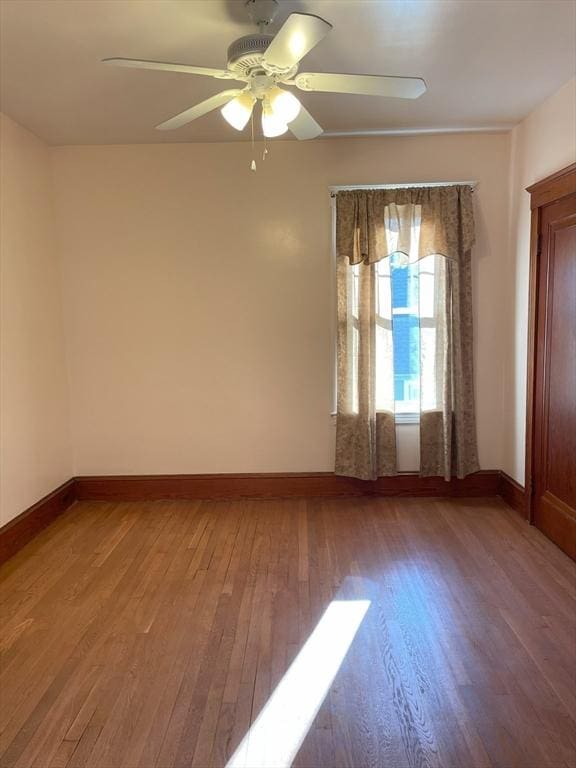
(413, 334)
(403, 330)
(405, 335)
(406, 303)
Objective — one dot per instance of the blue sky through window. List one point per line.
(405, 333)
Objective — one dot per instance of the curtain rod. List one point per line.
(343, 187)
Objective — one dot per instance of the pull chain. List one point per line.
(253, 163)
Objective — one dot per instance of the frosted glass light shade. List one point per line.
(285, 105)
(271, 125)
(237, 112)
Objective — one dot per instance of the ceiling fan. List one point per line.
(261, 61)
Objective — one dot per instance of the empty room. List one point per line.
(288, 383)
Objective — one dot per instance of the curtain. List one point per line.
(434, 228)
(365, 428)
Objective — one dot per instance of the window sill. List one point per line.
(407, 418)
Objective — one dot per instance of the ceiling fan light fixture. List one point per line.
(284, 105)
(237, 112)
(261, 61)
(271, 125)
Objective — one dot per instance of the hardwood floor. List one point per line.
(153, 634)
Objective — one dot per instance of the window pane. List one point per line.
(406, 334)
(414, 354)
(406, 357)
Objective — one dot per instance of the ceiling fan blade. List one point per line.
(198, 110)
(297, 36)
(165, 66)
(304, 126)
(367, 85)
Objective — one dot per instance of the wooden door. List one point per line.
(553, 461)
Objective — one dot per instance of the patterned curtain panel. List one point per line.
(365, 422)
(431, 231)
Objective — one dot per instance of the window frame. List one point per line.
(405, 418)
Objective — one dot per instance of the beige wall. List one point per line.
(35, 454)
(198, 296)
(543, 143)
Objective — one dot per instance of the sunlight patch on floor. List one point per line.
(279, 730)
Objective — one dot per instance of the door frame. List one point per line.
(542, 193)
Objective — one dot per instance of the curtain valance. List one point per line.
(366, 217)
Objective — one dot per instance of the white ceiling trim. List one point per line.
(420, 131)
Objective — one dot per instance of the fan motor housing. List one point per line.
(246, 53)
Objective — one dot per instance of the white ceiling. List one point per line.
(487, 63)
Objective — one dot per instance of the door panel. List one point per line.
(554, 460)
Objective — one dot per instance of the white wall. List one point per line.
(198, 296)
(35, 454)
(543, 143)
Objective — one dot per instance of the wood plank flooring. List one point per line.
(153, 634)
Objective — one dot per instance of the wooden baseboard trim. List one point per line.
(18, 532)
(512, 493)
(22, 529)
(287, 485)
